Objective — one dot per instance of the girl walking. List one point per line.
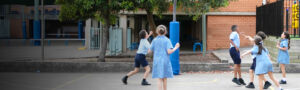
(162, 47)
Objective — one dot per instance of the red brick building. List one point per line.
(241, 13)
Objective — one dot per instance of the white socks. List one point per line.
(283, 79)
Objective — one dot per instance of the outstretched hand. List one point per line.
(150, 33)
(177, 45)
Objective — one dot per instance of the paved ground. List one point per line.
(111, 81)
(58, 52)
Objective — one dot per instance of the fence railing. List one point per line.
(269, 18)
(114, 40)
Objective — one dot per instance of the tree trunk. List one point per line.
(151, 21)
(104, 39)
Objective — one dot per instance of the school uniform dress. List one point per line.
(263, 62)
(140, 58)
(161, 59)
(235, 55)
(253, 65)
(283, 55)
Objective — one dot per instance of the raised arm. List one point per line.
(170, 51)
(247, 37)
(150, 33)
(246, 53)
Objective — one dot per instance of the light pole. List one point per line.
(43, 30)
(174, 37)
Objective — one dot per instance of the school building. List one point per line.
(17, 21)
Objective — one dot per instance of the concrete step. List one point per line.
(119, 67)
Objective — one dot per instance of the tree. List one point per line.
(105, 11)
(151, 7)
(196, 8)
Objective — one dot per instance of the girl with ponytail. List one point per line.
(263, 62)
(162, 47)
(283, 54)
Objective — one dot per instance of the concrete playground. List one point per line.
(112, 81)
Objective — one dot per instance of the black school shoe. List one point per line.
(250, 85)
(282, 82)
(124, 80)
(144, 82)
(236, 81)
(242, 81)
(267, 85)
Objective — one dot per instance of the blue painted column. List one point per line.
(37, 32)
(80, 29)
(174, 37)
(24, 29)
(36, 24)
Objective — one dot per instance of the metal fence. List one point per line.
(4, 21)
(95, 38)
(269, 18)
(114, 40)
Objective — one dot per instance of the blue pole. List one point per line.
(287, 20)
(36, 24)
(174, 37)
(37, 32)
(24, 29)
(80, 29)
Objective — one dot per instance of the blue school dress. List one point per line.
(263, 62)
(161, 59)
(283, 55)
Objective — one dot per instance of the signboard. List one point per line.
(295, 17)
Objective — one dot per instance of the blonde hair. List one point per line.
(161, 30)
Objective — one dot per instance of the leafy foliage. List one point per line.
(84, 9)
(198, 7)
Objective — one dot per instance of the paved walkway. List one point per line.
(17, 51)
(112, 81)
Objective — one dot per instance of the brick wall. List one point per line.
(16, 28)
(219, 29)
(242, 6)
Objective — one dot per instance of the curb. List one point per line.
(98, 67)
(117, 67)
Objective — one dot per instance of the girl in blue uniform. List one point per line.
(162, 48)
(283, 55)
(252, 68)
(263, 62)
